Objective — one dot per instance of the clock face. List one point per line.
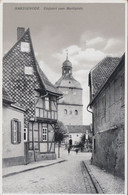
(25, 47)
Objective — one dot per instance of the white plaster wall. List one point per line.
(9, 149)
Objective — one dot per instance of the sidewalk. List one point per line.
(104, 181)
(13, 170)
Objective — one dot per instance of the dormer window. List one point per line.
(28, 70)
(25, 47)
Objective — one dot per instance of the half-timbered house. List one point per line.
(27, 84)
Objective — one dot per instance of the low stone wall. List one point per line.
(109, 151)
(39, 156)
(7, 162)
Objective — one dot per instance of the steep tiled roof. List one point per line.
(44, 80)
(68, 81)
(119, 65)
(6, 97)
(101, 72)
(48, 85)
(78, 128)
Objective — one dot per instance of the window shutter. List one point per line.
(19, 132)
(12, 131)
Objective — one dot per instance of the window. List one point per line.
(65, 111)
(44, 134)
(70, 136)
(25, 47)
(28, 70)
(25, 135)
(70, 112)
(15, 131)
(76, 112)
(47, 103)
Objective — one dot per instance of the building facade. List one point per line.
(70, 108)
(75, 133)
(107, 81)
(13, 132)
(28, 86)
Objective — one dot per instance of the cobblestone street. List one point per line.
(65, 177)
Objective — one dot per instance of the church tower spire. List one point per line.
(67, 66)
(67, 54)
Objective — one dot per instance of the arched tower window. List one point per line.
(70, 112)
(76, 112)
(65, 111)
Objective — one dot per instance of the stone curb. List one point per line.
(94, 181)
(30, 169)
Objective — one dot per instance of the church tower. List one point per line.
(70, 108)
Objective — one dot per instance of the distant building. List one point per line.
(75, 133)
(13, 132)
(106, 82)
(70, 107)
(28, 86)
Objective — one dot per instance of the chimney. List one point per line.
(20, 32)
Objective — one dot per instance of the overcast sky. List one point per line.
(90, 32)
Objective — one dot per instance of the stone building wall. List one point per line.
(71, 118)
(109, 126)
(71, 95)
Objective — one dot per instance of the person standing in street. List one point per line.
(76, 150)
(68, 150)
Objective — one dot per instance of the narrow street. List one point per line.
(65, 177)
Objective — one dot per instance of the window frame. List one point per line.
(15, 133)
(44, 133)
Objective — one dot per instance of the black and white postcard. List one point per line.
(64, 97)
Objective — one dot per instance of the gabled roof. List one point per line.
(46, 84)
(118, 65)
(78, 128)
(101, 72)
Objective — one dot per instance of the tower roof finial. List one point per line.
(67, 54)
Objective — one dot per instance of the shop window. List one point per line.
(15, 131)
